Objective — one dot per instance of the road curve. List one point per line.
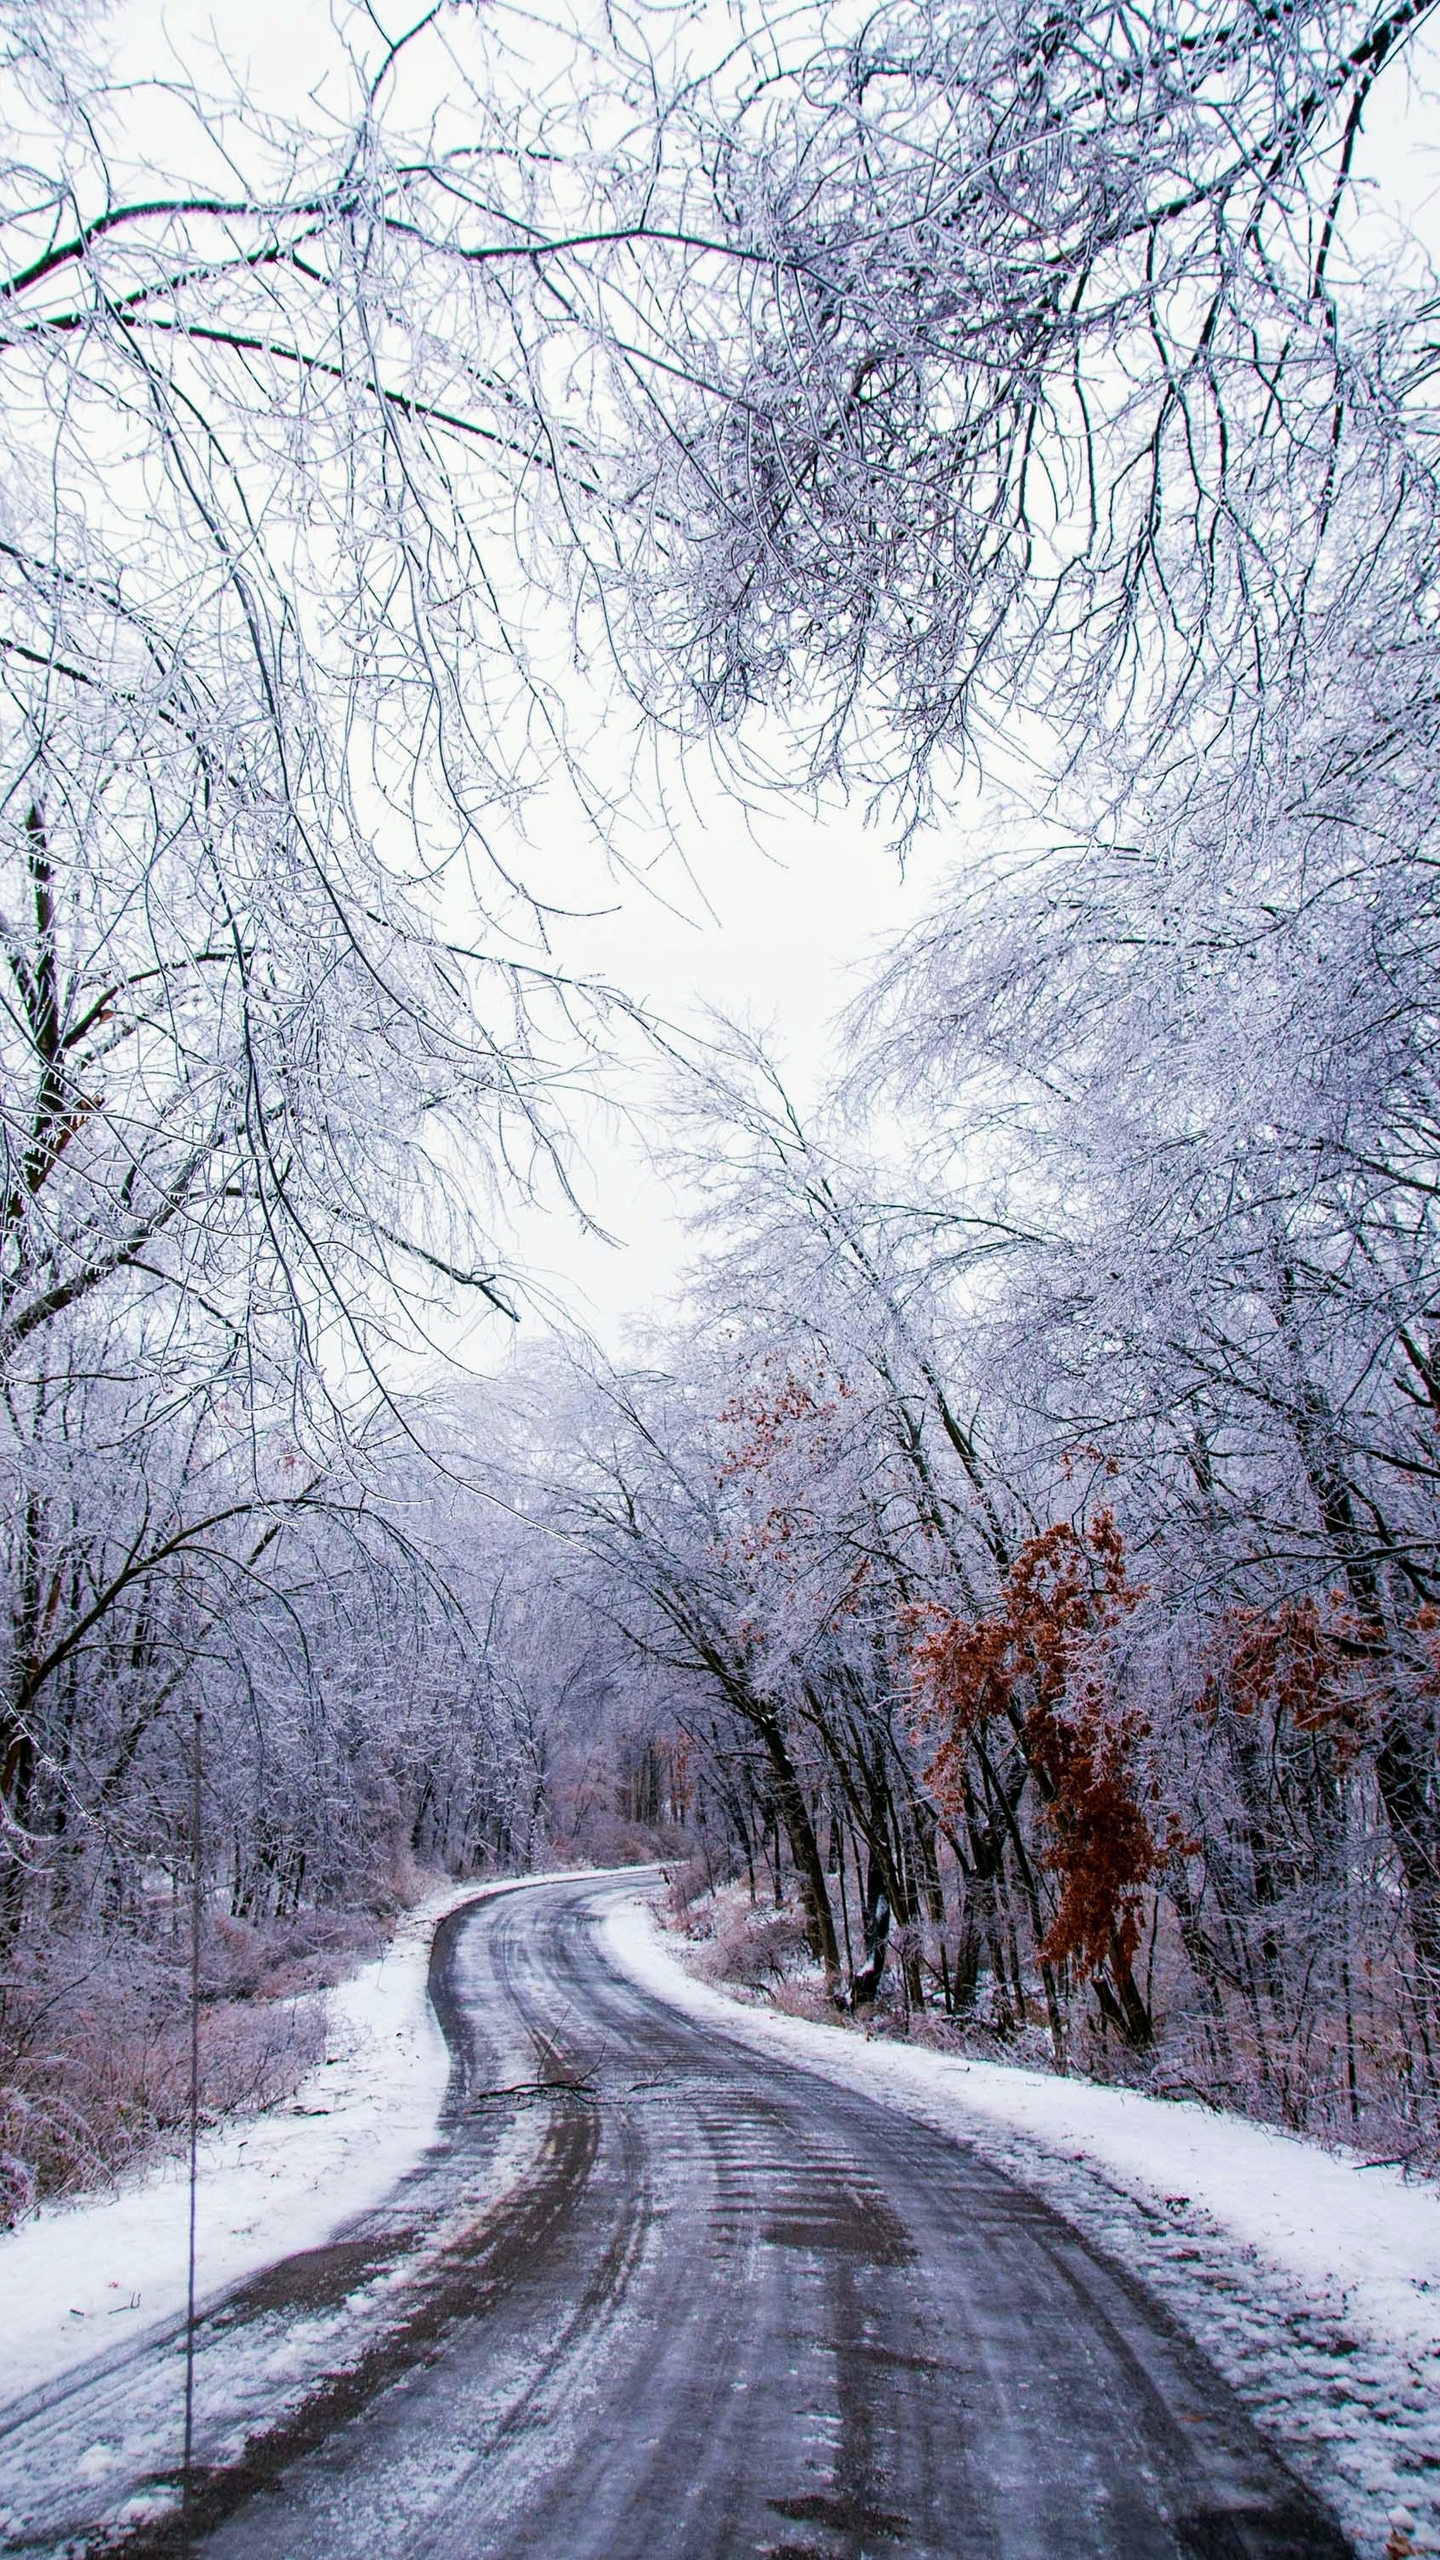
(723, 2307)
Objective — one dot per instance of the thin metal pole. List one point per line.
(196, 1904)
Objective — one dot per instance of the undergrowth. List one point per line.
(95, 2044)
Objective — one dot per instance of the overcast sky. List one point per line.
(799, 905)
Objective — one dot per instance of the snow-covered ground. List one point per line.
(79, 2275)
(1313, 2281)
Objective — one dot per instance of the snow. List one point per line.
(75, 2277)
(1311, 2279)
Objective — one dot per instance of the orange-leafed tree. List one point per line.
(1297, 1662)
(1042, 1665)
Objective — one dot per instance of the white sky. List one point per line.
(782, 911)
(799, 905)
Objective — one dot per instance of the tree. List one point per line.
(1035, 377)
(910, 378)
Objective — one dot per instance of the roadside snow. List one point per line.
(79, 2276)
(1312, 2280)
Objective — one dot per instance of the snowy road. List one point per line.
(657, 2296)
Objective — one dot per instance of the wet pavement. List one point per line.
(655, 2298)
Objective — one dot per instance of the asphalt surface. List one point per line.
(656, 2298)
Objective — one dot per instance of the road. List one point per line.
(656, 2298)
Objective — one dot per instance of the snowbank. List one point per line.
(1313, 2280)
(1333, 2228)
(78, 2276)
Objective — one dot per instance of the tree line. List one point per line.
(1006, 1589)
(871, 403)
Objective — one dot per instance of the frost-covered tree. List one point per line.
(948, 382)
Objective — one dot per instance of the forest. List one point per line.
(1012, 1562)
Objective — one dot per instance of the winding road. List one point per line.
(655, 2298)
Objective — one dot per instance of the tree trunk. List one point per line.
(804, 1849)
